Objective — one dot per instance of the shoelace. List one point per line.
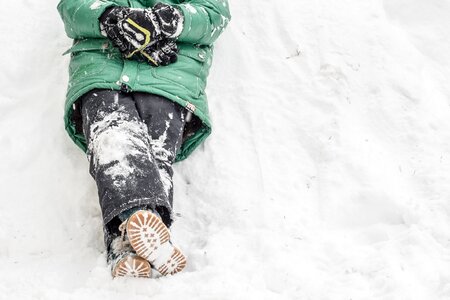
(124, 239)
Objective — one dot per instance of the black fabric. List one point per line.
(132, 141)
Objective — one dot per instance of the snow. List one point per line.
(97, 4)
(326, 176)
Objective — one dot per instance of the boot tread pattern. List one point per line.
(132, 266)
(174, 264)
(146, 233)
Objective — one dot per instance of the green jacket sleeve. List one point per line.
(80, 17)
(204, 20)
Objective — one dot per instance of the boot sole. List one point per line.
(149, 237)
(176, 263)
(132, 266)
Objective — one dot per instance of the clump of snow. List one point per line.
(327, 175)
(113, 139)
(96, 4)
(190, 8)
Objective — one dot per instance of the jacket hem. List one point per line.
(187, 147)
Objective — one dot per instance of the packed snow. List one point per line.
(326, 177)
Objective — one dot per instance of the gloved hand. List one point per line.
(109, 28)
(162, 53)
(170, 20)
(132, 30)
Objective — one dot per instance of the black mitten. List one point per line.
(170, 20)
(131, 30)
(162, 53)
(136, 31)
(109, 28)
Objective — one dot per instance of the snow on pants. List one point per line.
(132, 142)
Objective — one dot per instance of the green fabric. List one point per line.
(96, 64)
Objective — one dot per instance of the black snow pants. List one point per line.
(132, 142)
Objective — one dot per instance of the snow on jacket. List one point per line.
(96, 64)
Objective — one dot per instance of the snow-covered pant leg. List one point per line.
(120, 156)
(165, 121)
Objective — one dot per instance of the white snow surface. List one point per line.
(327, 175)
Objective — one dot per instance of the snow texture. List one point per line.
(327, 176)
(109, 144)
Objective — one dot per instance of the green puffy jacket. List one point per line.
(96, 64)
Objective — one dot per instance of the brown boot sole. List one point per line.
(132, 266)
(148, 236)
(174, 264)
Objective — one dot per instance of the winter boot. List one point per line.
(124, 262)
(150, 238)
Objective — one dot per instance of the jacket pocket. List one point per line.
(89, 45)
(188, 72)
(196, 53)
(88, 61)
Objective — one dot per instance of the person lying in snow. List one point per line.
(136, 104)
